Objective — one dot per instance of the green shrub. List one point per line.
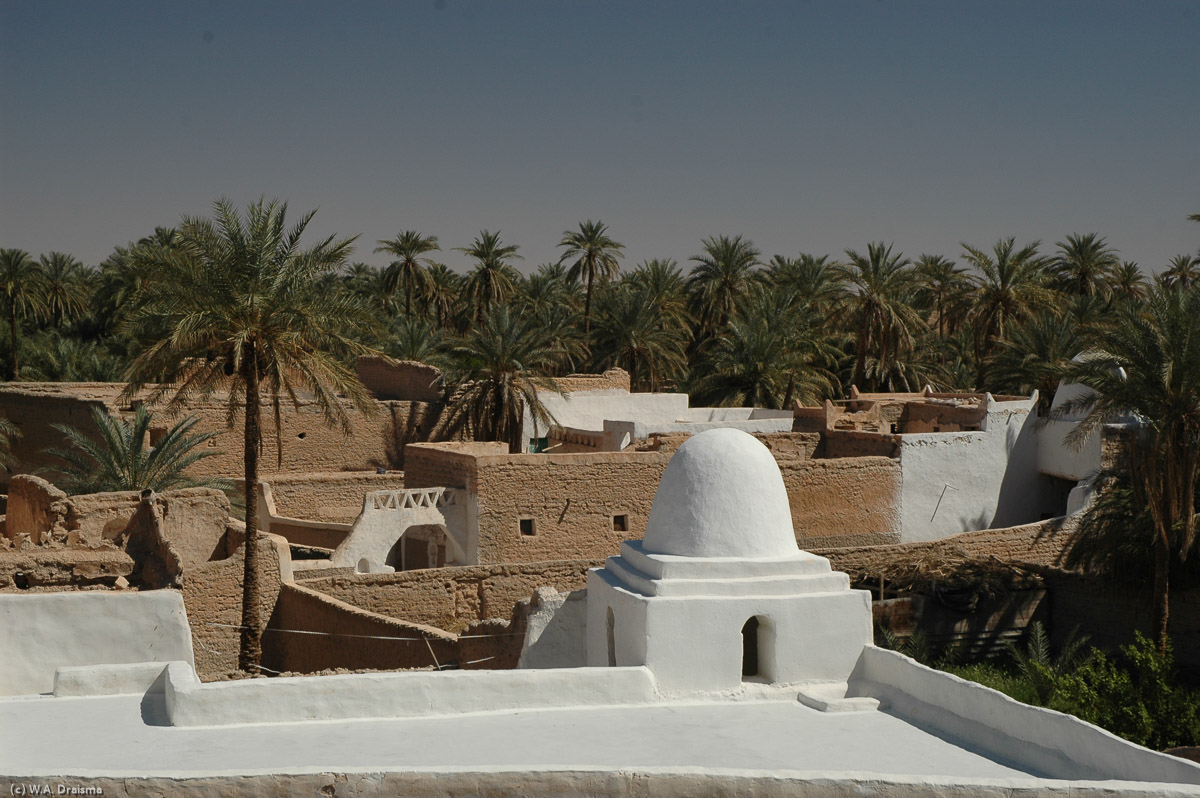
(1138, 699)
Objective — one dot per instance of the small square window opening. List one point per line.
(620, 523)
(527, 526)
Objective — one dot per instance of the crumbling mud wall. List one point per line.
(212, 593)
(453, 598)
(35, 407)
(310, 631)
(376, 440)
(403, 380)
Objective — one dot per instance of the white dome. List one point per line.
(721, 496)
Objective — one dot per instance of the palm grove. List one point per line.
(237, 303)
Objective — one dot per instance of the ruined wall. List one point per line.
(34, 407)
(453, 598)
(847, 501)
(212, 593)
(58, 569)
(328, 496)
(349, 637)
(614, 378)
(1039, 544)
(309, 445)
(34, 508)
(403, 380)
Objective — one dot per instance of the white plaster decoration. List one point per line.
(388, 514)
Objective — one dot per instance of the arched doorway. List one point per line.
(758, 649)
(420, 546)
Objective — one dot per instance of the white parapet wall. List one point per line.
(42, 632)
(1059, 746)
(397, 695)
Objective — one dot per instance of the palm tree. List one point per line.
(1012, 287)
(64, 292)
(22, 290)
(9, 434)
(547, 288)
(665, 287)
(721, 275)
(1127, 281)
(632, 332)
(1148, 367)
(1035, 355)
(1183, 271)
(942, 286)
(774, 350)
(120, 459)
(443, 290)
(595, 254)
(243, 310)
(502, 364)
(493, 280)
(414, 338)
(815, 280)
(877, 299)
(406, 270)
(1084, 264)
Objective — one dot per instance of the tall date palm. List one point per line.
(406, 270)
(243, 309)
(23, 294)
(595, 254)
(1148, 367)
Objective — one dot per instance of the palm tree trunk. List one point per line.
(587, 309)
(860, 364)
(1162, 571)
(251, 640)
(12, 330)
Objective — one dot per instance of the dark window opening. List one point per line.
(750, 648)
(620, 523)
(302, 435)
(527, 526)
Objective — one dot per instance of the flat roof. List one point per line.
(126, 736)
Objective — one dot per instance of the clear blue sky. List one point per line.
(806, 126)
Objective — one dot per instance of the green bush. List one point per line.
(1139, 699)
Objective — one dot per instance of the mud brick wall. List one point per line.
(329, 496)
(350, 637)
(845, 501)
(453, 598)
(212, 594)
(571, 500)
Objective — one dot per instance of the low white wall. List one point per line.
(91, 680)
(954, 482)
(1059, 746)
(42, 632)
(396, 695)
